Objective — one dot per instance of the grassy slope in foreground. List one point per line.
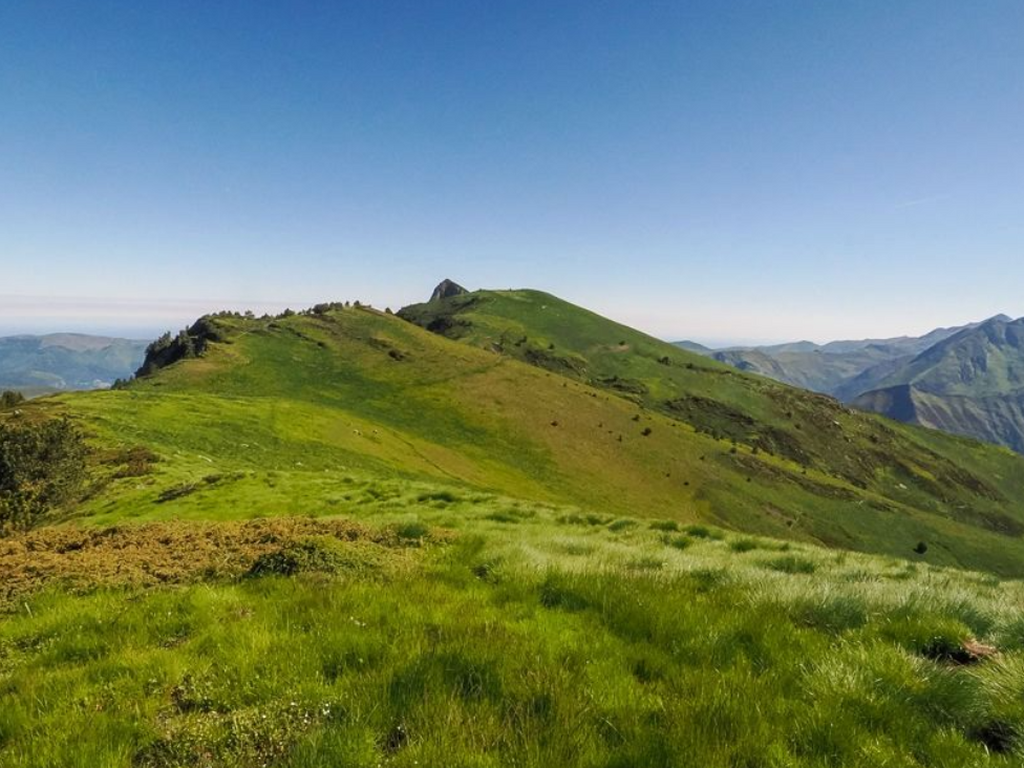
(284, 414)
(530, 636)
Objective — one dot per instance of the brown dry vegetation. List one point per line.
(152, 554)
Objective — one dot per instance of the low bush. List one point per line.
(664, 525)
(703, 532)
(743, 545)
(676, 542)
(316, 554)
(42, 466)
(622, 525)
(10, 399)
(412, 530)
(790, 564)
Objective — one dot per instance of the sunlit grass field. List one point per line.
(455, 632)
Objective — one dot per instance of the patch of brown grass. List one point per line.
(168, 553)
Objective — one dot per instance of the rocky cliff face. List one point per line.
(446, 289)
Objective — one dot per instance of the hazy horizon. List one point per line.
(139, 319)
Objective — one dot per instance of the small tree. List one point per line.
(9, 398)
(186, 345)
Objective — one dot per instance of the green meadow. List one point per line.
(524, 635)
(341, 539)
(310, 398)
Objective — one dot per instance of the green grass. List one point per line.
(560, 645)
(774, 437)
(520, 586)
(287, 411)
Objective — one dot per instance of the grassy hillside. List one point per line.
(493, 632)
(978, 362)
(869, 476)
(281, 413)
(338, 539)
(815, 369)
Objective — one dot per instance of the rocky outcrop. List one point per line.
(446, 289)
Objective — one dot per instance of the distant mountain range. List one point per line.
(65, 361)
(967, 380)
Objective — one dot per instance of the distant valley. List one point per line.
(66, 361)
(966, 380)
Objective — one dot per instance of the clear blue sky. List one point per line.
(714, 170)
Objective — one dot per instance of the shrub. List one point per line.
(702, 532)
(10, 398)
(41, 467)
(316, 554)
(621, 525)
(176, 492)
(664, 525)
(790, 564)
(413, 530)
(588, 519)
(677, 542)
(743, 545)
(135, 462)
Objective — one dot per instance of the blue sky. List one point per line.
(713, 170)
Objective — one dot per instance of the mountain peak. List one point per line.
(446, 289)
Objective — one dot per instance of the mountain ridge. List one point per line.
(63, 361)
(276, 412)
(540, 329)
(971, 384)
